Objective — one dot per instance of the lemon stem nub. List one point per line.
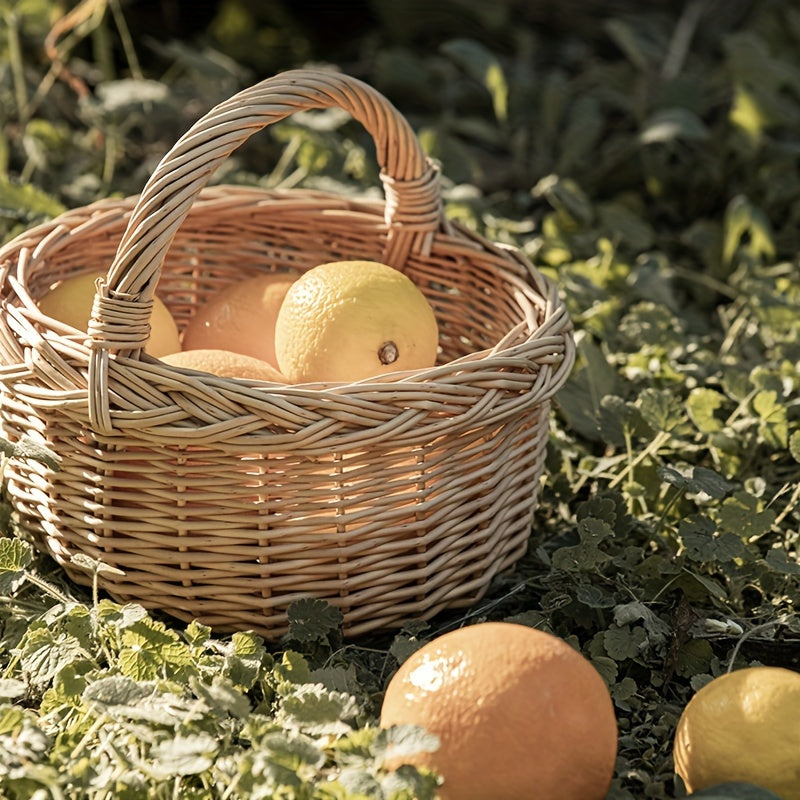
(387, 353)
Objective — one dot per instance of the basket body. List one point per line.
(224, 500)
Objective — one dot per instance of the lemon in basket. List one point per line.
(71, 301)
(349, 320)
(240, 317)
(225, 363)
(743, 726)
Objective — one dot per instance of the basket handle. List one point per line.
(410, 180)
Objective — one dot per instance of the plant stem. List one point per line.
(47, 587)
(126, 39)
(782, 620)
(661, 438)
(17, 65)
(676, 495)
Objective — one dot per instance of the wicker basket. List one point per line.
(225, 500)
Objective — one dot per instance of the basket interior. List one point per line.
(223, 241)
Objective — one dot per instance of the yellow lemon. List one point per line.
(743, 726)
(519, 714)
(225, 363)
(349, 320)
(241, 317)
(71, 301)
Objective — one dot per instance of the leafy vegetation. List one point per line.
(644, 157)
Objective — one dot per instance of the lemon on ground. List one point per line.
(519, 714)
(71, 302)
(240, 317)
(742, 726)
(225, 363)
(349, 320)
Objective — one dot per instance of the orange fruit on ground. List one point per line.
(519, 714)
(240, 317)
(71, 302)
(350, 320)
(743, 726)
(226, 364)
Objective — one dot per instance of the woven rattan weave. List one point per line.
(225, 500)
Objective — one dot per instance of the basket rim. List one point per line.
(360, 407)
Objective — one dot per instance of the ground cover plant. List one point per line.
(644, 156)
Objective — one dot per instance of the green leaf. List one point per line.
(68, 686)
(293, 751)
(794, 445)
(566, 197)
(27, 202)
(669, 124)
(404, 741)
(43, 653)
(183, 755)
(408, 782)
(623, 691)
(592, 382)
(587, 555)
(635, 611)
(245, 658)
(661, 410)
(778, 560)
(73, 619)
(615, 418)
(222, 697)
(742, 514)
(120, 616)
(607, 667)
(403, 646)
(197, 634)
(704, 543)
(313, 709)
(16, 557)
(149, 650)
(312, 620)
(599, 507)
(702, 405)
(701, 480)
(482, 65)
(694, 657)
(629, 228)
(292, 669)
(773, 426)
(94, 565)
(11, 689)
(748, 230)
(709, 482)
(118, 690)
(624, 642)
(760, 81)
(709, 586)
(29, 448)
(594, 596)
(337, 679)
